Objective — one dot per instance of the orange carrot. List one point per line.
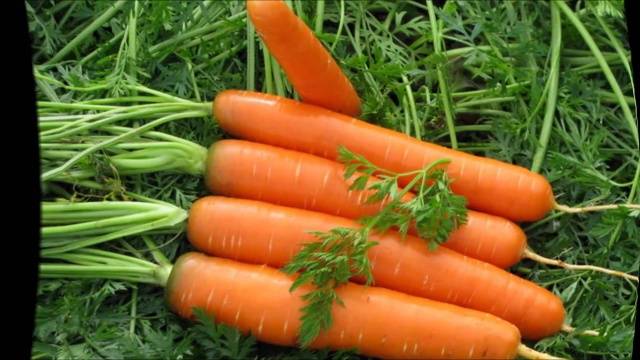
(489, 185)
(308, 65)
(376, 321)
(261, 233)
(255, 171)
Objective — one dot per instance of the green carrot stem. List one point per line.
(98, 226)
(603, 65)
(552, 94)
(84, 34)
(486, 101)
(251, 56)
(319, 20)
(444, 89)
(180, 38)
(340, 25)
(51, 173)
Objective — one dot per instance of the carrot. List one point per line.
(226, 290)
(489, 185)
(308, 65)
(226, 227)
(261, 172)
(376, 321)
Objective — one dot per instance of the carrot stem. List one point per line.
(319, 20)
(529, 353)
(603, 65)
(52, 173)
(158, 256)
(552, 94)
(181, 38)
(101, 264)
(106, 46)
(489, 91)
(134, 311)
(486, 101)
(268, 77)
(277, 77)
(70, 226)
(251, 57)
(622, 56)
(412, 107)
(529, 254)
(444, 90)
(84, 34)
(132, 45)
(340, 25)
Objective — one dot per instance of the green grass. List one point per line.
(486, 88)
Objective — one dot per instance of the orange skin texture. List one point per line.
(255, 171)
(489, 185)
(262, 233)
(308, 65)
(379, 322)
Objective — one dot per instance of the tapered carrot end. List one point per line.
(539, 200)
(353, 108)
(264, 13)
(551, 322)
(546, 195)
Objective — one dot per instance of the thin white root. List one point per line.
(576, 210)
(529, 254)
(529, 353)
(570, 329)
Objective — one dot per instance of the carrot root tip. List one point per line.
(529, 353)
(530, 254)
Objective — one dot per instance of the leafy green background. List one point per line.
(195, 49)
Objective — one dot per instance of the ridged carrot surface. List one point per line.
(261, 172)
(377, 321)
(489, 185)
(308, 65)
(262, 233)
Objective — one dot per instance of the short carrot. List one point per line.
(489, 185)
(255, 171)
(308, 65)
(376, 321)
(226, 227)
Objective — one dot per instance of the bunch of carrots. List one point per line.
(390, 245)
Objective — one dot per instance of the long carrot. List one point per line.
(255, 171)
(308, 65)
(255, 298)
(378, 322)
(262, 233)
(489, 185)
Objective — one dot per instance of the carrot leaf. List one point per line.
(339, 255)
(435, 210)
(219, 340)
